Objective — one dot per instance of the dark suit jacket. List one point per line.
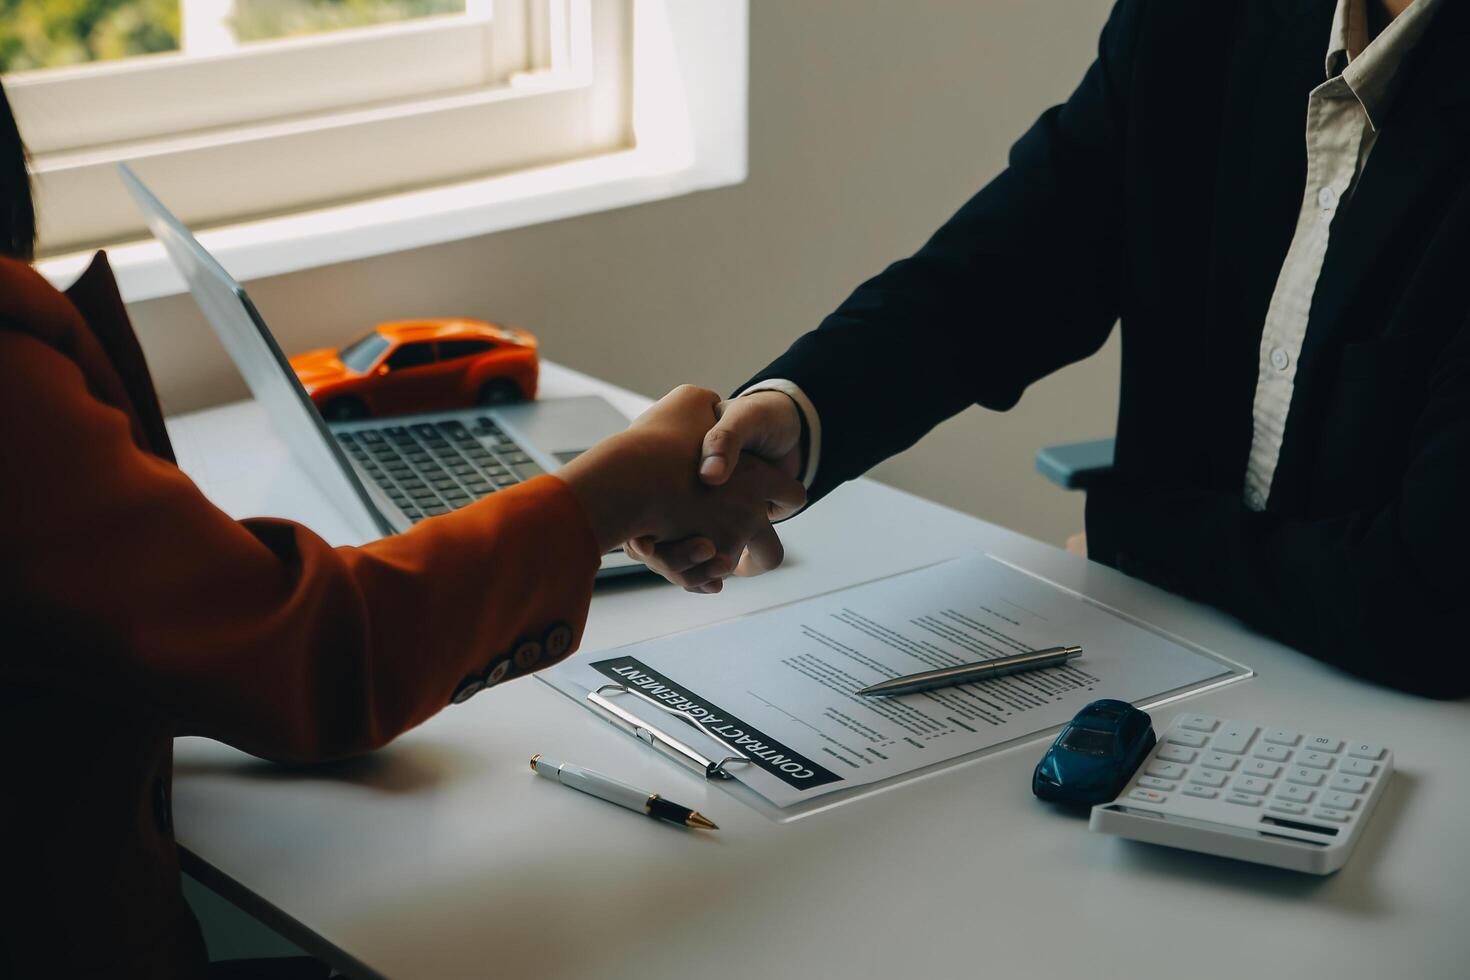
(132, 610)
(1164, 194)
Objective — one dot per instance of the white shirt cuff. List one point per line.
(808, 414)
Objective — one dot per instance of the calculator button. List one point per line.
(1175, 753)
(1165, 770)
(1259, 767)
(1203, 792)
(1199, 723)
(1208, 777)
(1154, 782)
(1365, 750)
(1282, 736)
(1348, 784)
(1275, 753)
(1314, 760)
(1296, 794)
(1148, 796)
(1217, 761)
(1328, 813)
(1307, 777)
(1358, 767)
(1340, 801)
(1322, 743)
(1233, 738)
(1193, 740)
(1244, 799)
(1251, 784)
(1282, 806)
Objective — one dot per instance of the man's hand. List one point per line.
(755, 429)
(641, 483)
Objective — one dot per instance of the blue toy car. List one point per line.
(1095, 754)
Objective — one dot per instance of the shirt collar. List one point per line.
(1369, 67)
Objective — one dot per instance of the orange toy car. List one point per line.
(420, 366)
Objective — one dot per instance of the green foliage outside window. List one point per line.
(257, 20)
(51, 33)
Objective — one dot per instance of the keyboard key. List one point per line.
(1154, 782)
(1323, 743)
(528, 470)
(1203, 792)
(1233, 738)
(1243, 799)
(1328, 813)
(1193, 740)
(1209, 777)
(436, 509)
(1283, 806)
(1348, 784)
(372, 436)
(1358, 767)
(1340, 801)
(1199, 723)
(1217, 761)
(1365, 750)
(1165, 770)
(1176, 753)
(1296, 794)
(1148, 795)
(1316, 760)
(1262, 768)
(1282, 736)
(1306, 777)
(1275, 753)
(1251, 784)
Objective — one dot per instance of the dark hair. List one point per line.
(17, 212)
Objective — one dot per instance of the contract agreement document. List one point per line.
(780, 686)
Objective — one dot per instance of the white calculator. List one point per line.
(1270, 795)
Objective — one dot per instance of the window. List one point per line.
(620, 102)
(451, 349)
(232, 109)
(361, 354)
(411, 356)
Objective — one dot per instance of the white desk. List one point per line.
(443, 856)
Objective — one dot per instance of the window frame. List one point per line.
(689, 70)
(540, 80)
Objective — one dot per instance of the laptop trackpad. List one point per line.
(557, 429)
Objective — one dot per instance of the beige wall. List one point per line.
(870, 122)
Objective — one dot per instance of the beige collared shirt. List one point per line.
(1343, 116)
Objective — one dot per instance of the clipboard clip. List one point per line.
(662, 740)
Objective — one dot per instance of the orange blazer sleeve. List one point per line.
(122, 580)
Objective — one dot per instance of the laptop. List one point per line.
(383, 475)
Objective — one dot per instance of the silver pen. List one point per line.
(619, 792)
(968, 673)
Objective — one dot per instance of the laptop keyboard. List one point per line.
(430, 468)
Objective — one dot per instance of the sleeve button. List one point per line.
(467, 689)
(497, 673)
(558, 641)
(528, 653)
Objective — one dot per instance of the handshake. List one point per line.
(692, 486)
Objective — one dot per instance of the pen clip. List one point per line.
(663, 740)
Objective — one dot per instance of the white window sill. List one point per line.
(400, 222)
(689, 121)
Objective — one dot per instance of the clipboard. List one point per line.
(722, 762)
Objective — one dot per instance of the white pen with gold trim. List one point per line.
(621, 793)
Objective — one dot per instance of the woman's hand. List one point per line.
(643, 483)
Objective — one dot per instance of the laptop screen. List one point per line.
(267, 373)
